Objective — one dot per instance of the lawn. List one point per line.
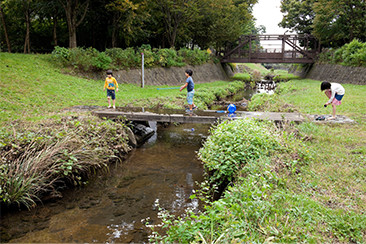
(32, 88)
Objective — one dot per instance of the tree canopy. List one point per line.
(40, 25)
(334, 22)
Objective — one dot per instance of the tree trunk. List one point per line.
(5, 29)
(72, 7)
(27, 33)
(54, 33)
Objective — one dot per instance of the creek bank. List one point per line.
(57, 154)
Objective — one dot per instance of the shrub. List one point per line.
(102, 61)
(124, 58)
(62, 54)
(232, 145)
(169, 58)
(194, 57)
(351, 54)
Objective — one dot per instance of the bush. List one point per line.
(89, 59)
(124, 58)
(351, 54)
(62, 54)
(102, 61)
(194, 57)
(232, 145)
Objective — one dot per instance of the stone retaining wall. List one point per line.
(167, 76)
(337, 73)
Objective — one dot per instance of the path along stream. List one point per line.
(113, 206)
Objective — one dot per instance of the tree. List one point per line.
(75, 11)
(338, 22)
(5, 28)
(298, 15)
(128, 16)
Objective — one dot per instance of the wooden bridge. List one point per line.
(299, 48)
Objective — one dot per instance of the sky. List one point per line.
(268, 13)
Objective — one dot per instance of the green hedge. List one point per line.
(351, 54)
(90, 59)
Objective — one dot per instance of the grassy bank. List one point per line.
(43, 147)
(304, 183)
(33, 88)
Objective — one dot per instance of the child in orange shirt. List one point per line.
(112, 86)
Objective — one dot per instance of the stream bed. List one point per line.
(113, 206)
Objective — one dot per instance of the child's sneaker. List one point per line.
(195, 107)
(109, 106)
(114, 107)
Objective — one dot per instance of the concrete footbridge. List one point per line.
(203, 117)
(208, 116)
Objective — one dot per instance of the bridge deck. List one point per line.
(203, 117)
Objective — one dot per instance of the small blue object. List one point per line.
(231, 108)
(220, 111)
(192, 129)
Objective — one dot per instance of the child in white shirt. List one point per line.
(335, 93)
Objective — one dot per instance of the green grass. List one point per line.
(33, 88)
(257, 67)
(311, 190)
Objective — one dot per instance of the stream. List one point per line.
(113, 207)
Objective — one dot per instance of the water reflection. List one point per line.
(111, 209)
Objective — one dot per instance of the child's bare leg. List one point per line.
(114, 103)
(334, 112)
(190, 106)
(109, 101)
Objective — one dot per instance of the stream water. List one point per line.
(111, 209)
(113, 206)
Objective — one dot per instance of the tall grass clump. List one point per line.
(35, 161)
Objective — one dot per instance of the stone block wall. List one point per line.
(337, 73)
(167, 76)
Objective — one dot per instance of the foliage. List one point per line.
(352, 54)
(34, 159)
(243, 77)
(125, 23)
(280, 197)
(334, 22)
(89, 59)
(233, 145)
(298, 15)
(338, 22)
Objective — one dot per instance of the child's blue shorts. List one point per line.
(338, 97)
(190, 97)
(111, 93)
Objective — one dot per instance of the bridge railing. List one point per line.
(292, 49)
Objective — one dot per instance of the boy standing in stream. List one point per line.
(190, 90)
(112, 87)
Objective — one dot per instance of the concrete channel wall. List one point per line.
(335, 73)
(167, 76)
